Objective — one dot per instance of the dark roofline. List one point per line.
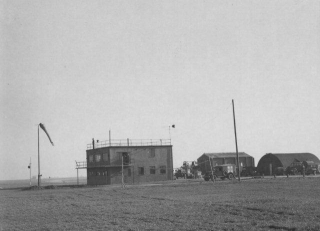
(287, 158)
(290, 153)
(225, 154)
(143, 146)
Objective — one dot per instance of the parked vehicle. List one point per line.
(248, 171)
(295, 168)
(209, 176)
(225, 171)
(178, 173)
(310, 167)
(280, 171)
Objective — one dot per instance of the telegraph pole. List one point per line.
(235, 135)
(39, 180)
(211, 170)
(122, 181)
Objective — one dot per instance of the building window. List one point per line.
(98, 173)
(125, 158)
(90, 173)
(98, 157)
(163, 169)
(129, 171)
(90, 158)
(152, 153)
(105, 156)
(152, 169)
(141, 170)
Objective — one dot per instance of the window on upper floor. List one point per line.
(105, 157)
(152, 153)
(90, 158)
(98, 157)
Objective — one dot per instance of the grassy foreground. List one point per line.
(257, 204)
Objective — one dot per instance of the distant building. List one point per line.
(271, 161)
(224, 158)
(144, 161)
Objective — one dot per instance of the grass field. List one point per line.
(5, 184)
(256, 204)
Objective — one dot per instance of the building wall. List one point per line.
(156, 157)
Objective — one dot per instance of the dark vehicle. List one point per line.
(225, 171)
(248, 171)
(280, 171)
(180, 174)
(295, 168)
(310, 167)
(292, 171)
(209, 176)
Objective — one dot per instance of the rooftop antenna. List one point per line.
(173, 126)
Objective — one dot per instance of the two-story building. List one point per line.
(140, 161)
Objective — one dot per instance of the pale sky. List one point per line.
(135, 67)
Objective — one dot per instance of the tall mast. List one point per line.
(39, 180)
(235, 135)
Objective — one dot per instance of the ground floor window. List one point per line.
(129, 171)
(141, 170)
(163, 169)
(152, 169)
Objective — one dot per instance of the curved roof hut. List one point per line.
(270, 161)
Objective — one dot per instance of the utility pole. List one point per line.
(122, 181)
(211, 169)
(77, 167)
(235, 135)
(39, 180)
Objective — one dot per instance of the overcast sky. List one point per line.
(136, 67)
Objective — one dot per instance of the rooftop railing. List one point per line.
(129, 142)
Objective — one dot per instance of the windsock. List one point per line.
(44, 129)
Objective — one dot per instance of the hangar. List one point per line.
(270, 161)
(219, 158)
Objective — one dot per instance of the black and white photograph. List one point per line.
(160, 115)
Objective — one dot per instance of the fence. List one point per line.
(129, 142)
